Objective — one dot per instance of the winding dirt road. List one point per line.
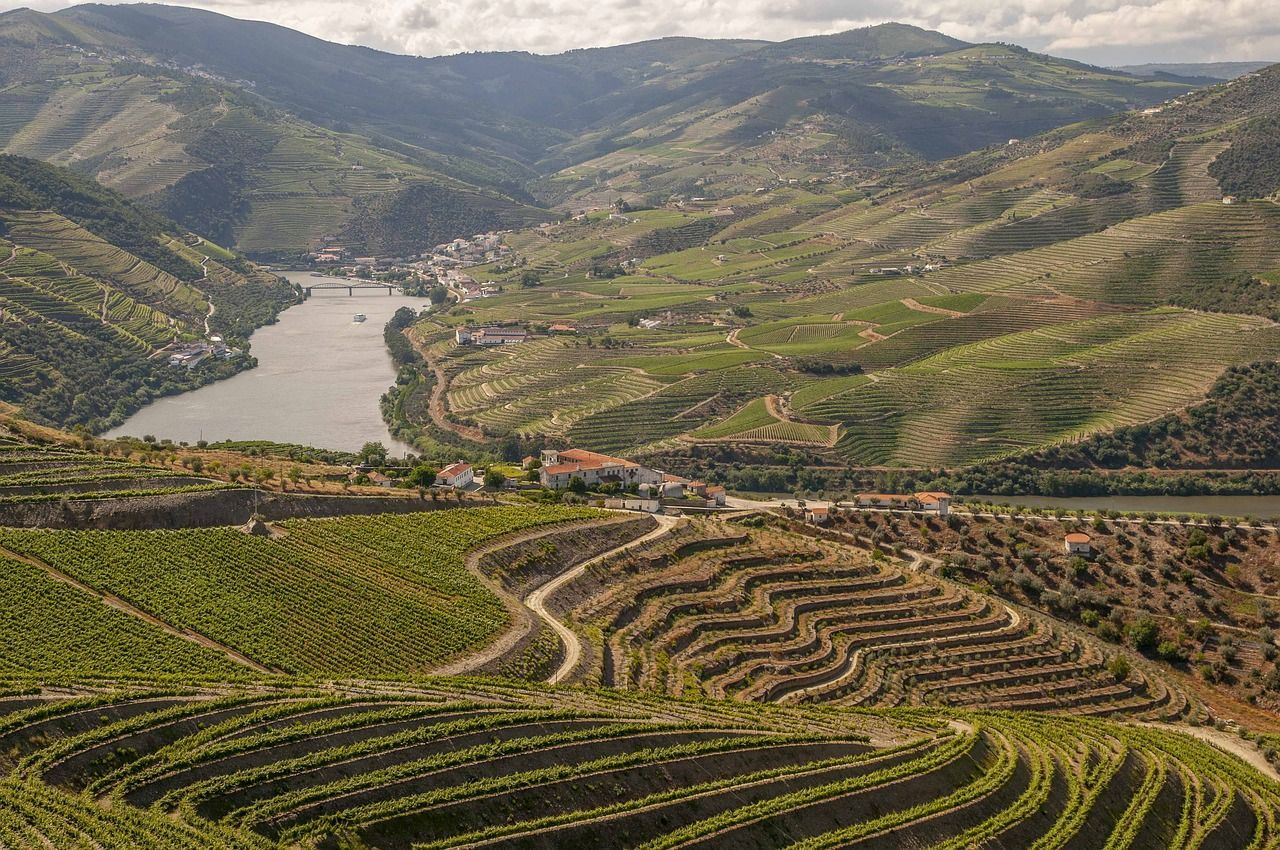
(537, 600)
(522, 610)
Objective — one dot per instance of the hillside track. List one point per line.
(519, 609)
(537, 600)
(913, 304)
(436, 407)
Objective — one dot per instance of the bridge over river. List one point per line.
(352, 285)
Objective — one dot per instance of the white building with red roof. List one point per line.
(1078, 543)
(457, 475)
(561, 467)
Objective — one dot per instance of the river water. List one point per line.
(1263, 507)
(318, 381)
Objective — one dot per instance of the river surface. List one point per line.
(1263, 507)
(318, 381)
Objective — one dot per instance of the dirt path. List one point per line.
(436, 405)
(733, 340)
(119, 604)
(1226, 741)
(913, 304)
(537, 601)
(869, 333)
(521, 617)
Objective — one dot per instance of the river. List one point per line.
(318, 381)
(1263, 507)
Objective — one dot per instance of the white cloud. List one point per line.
(1095, 30)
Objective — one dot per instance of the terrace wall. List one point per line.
(201, 509)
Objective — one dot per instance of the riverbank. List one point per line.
(319, 379)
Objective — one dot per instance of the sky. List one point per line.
(1105, 32)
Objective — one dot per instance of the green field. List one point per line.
(937, 321)
(264, 768)
(357, 596)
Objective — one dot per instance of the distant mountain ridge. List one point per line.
(1207, 71)
(271, 139)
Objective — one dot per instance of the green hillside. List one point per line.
(268, 140)
(214, 157)
(492, 764)
(1033, 293)
(94, 289)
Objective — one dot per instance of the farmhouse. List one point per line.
(560, 467)
(939, 503)
(457, 475)
(817, 515)
(1077, 543)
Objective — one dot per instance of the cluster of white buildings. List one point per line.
(561, 466)
(465, 286)
(193, 354)
(929, 502)
(473, 251)
(907, 270)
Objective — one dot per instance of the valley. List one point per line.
(868, 439)
(317, 383)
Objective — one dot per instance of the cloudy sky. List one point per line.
(1101, 31)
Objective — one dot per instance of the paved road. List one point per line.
(537, 600)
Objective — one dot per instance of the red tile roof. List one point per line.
(593, 460)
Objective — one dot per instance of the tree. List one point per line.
(373, 454)
(493, 479)
(422, 475)
(530, 279)
(438, 295)
(1119, 668)
(1144, 634)
(577, 485)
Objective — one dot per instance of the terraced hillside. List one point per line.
(782, 618)
(40, 473)
(1030, 295)
(94, 290)
(216, 158)
(449, 763)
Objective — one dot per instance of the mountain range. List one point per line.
(267, 139)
